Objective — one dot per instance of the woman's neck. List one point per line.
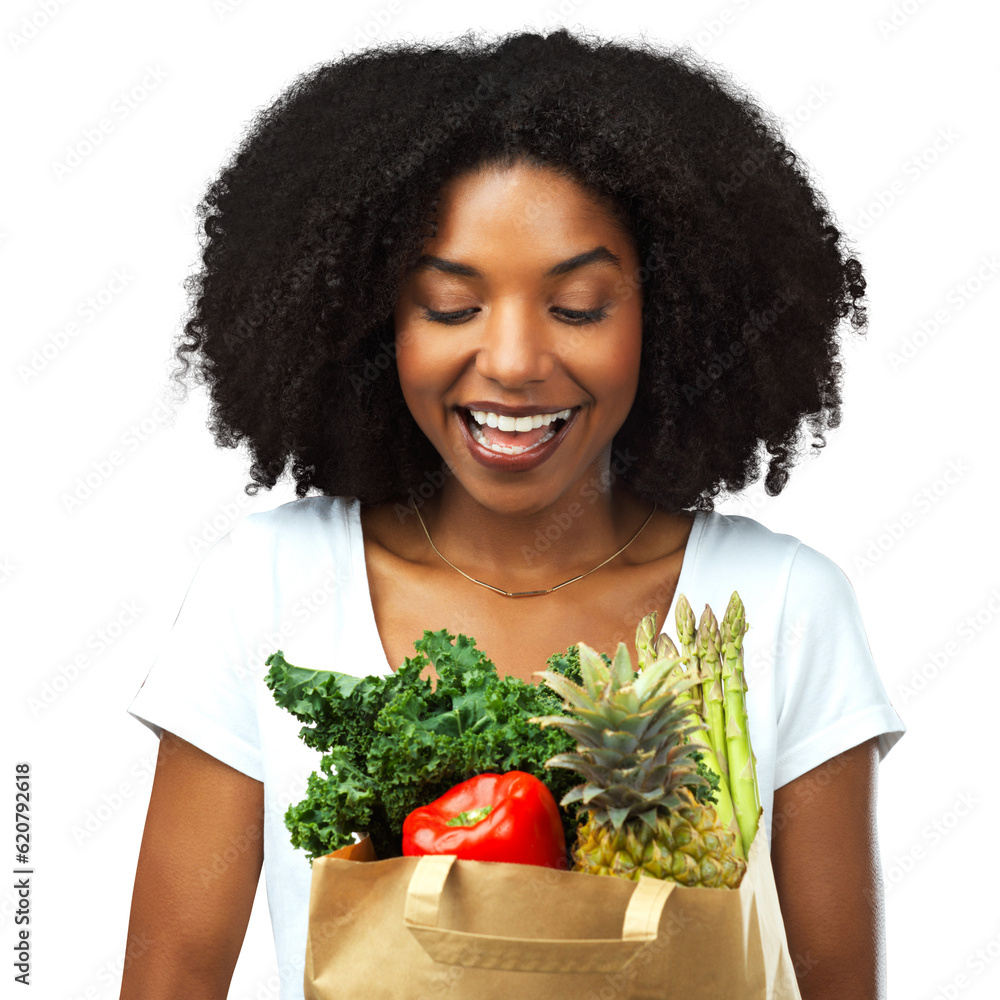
(531, 548)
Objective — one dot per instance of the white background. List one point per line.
(902, 498)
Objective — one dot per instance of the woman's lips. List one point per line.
(507, 462)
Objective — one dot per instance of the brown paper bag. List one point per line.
(442, 927)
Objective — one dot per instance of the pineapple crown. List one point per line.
(632, 732)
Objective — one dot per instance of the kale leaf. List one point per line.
(707, 794)
(396, 742)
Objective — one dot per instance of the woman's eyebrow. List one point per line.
(599, 255)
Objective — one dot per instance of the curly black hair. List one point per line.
(325, 204)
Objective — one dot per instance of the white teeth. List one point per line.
(505, 423)
(481, 418)
(503, 449)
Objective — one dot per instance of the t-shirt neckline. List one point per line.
(362, 589)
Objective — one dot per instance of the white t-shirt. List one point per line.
(294, 579)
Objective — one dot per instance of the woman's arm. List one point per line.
(199, 863)
(825, 855)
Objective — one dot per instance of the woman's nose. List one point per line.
(514, 348)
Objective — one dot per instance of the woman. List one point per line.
(519, 311)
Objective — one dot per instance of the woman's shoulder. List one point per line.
(737, 552)
(738, 537)
(293, 535)
(301, 518)
(742, 536)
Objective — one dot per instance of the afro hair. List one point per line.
(324, 204)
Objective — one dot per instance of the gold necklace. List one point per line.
(528, 593)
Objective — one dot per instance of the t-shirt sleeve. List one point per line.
(200, 686)
(834, 698)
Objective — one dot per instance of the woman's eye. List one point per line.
(574, 317)
(578, 317)
(445, 317)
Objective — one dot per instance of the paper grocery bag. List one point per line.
(446, 928)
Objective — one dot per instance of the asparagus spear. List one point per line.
(715, 713)
(690, 646)
(645, 637)
(664, 649)
(708, 645)
(684, 617)
(685, 624)
(742, 762)
(649, 646)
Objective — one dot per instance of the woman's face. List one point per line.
(500, 322)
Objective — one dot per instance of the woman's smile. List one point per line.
(515, 449)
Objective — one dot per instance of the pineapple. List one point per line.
(633, 749)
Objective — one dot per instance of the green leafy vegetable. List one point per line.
(396, 742)
(706, 794)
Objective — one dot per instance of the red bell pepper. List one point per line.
(510, 817)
